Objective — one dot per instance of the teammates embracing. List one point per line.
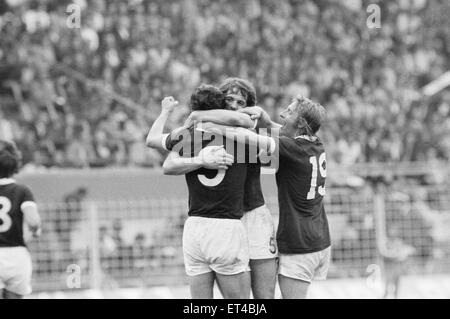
(230, 230)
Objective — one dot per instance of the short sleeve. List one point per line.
(285, 147)
(27, 198)
(280, 151)
(27, 195)
(164, 142)
(173, 138)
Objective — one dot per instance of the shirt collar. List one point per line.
(307, 137)
(6, 181)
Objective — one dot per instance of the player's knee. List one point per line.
(293, 288)
(263, 292)
(238, 294)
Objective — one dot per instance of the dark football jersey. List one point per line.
(303, 225)
(212, 193)
(253, 195)
(12, 198)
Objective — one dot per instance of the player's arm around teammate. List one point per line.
(225, 117)
(256, 113)
(211, 157)
(262, 142)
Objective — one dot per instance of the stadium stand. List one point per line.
(58, 85)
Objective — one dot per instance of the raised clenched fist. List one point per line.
(168, 104)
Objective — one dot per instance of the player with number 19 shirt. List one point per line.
(303, 225)
(303, 236)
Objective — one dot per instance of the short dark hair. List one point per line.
(10, 159)
(244, 87)
(207, 97)
(312, 113)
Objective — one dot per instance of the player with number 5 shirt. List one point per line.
(215, 244)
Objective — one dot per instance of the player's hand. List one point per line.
(255, 112)
(168, 104)
(36, 232)
(215, 157)
(190, 119)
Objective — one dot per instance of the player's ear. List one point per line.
(19, 161)
(301, 123)
(303, 127)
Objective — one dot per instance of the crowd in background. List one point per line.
(56, 81)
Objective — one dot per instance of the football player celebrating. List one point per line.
(17, 207)
(214, 239)
(257, 218)
(303, 235)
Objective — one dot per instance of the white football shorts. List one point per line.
(261, 233)
(15, 270)
(215, 244)
(305, 267)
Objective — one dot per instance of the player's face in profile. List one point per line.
(289, 120)
(235, 101)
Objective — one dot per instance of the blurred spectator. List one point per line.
(107, 248)
(140, 252)
(6, 130)
(123, 251)
(395, 255)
